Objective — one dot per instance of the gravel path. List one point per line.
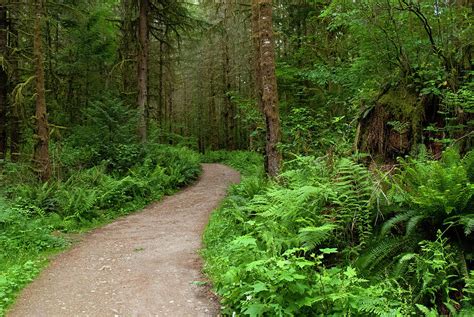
(146, 264)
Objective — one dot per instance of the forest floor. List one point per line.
(146, 264)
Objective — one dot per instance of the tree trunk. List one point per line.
(266, 83)
(170, 104)
(227, 85)
(161, 87)
(3, 80)
(143, 70)
(41, 156)
(213, 120)
(15, 121)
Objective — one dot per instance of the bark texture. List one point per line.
(15, 120)
(266, 81)
(41, 156)
(3, 80)
(143, 69)
(229, 111)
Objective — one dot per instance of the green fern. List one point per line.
(402, 265)
(355, 195)
(392, 222)
(381, 255)
(311, 237)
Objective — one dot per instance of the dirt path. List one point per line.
(141, 265)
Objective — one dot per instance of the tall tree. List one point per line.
(229, 116)
(3, 79)
(15, 120)
(41, 155)
(143, 39)
(262, 29)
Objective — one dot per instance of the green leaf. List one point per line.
(254, 310)
(328, 250)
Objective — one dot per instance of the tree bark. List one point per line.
(143, 69)
(267, 92)
(15, 121)
(256, 53)
(227, 84)
(160, 86)
(41, 156)
(3, 80)
(213, 120)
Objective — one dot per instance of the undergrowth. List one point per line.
(328, 237)
(248, 163)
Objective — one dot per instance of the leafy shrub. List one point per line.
(20, 232)
(106, 134)
(302, 130)
(122, 157)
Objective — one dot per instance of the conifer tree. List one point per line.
(41, 155)
(262, 29)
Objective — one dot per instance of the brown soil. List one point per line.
(146, 264)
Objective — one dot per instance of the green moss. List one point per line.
(404, 106)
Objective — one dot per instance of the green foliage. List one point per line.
(303, 128)
(341, 58)
(107, 135)
(436, 271)
(328, 237)
(34, 214)
(87, 193)
(248, 163)
(21, 232)
(85, 51)
(267, 245)
(438, 193)
(23, 237)
(13, 279)
(426, 196)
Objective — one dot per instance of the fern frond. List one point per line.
(389, 224)
(402, 264)
(383, 254)
(311, 237)
(413, 223)
(468, 222)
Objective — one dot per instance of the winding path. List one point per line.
(146, 264)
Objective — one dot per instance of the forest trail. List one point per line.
(142, 265)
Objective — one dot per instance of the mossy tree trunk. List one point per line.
(3, 79)
(266, 81)
(15, 119)
(143, 69)
(41, 155)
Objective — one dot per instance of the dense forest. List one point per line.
(351, 122)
